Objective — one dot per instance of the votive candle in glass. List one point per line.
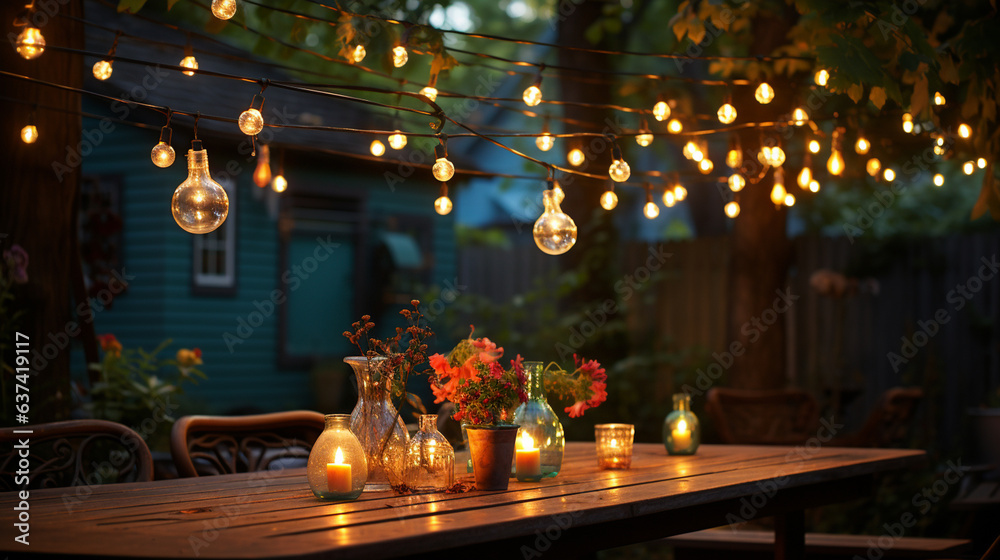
(614, 445)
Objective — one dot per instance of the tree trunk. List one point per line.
(36, 204)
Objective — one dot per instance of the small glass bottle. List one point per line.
(429, 465)
(681, 432)
(540, 424)
(337, 468)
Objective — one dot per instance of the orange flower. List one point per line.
(110, 344)
(188, 358)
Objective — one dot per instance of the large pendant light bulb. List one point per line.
(764, 93)
(224, 9)
(443, 169)
(399, 56)
(199, 204)
(262, 173)
(30, 43)
(443, 205)
(554, 231)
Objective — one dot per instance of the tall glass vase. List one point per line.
(377, 425)
(539, 421)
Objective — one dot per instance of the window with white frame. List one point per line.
(214, 266)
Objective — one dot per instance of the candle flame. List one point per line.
(338, 457)
(613, 442)
(682, 426)
(527, 442)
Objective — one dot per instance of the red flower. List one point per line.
(110, 344)
(577, 409)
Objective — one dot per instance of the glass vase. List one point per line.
(681, 431)
(337, 468)
(539, 423)
(430, 459)
(378, 426)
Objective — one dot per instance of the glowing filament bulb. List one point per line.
(805, 177)
(223, 9)
(377, 148)
(443, 169)
(609, 199)
(651, 210)
(814, 186)
(430, 93)
(669, 198)
(545, 142)
(889, 174)
(814, 146)
(199, 204)
(938, 180)
(279, 184)
(981, 163)
(732, 209)
(397, 141)
(835, 165)
(680, 193)
(799, 116)
(575, 157)
(764, 93)
(734, 158)
(964, 131)
(873, 166)
(675, 126)
(30, 43)
(690, 149)
(443, 205)
(644, 139)
(189, 62)
(821, 77)
(661, 110)
(262, 174)
(727, 113)
(251, 122)
(619, 171)
(778, 194)
(907, 123)
(554, 231)
(29, 134)
(862, 145)
(162, 154)
(939, 99)
(532, 95)
(969, 167)
(399, 56)
(102, 69)
(359, 53)
(706, 166)
(736, 182)
(789, 199)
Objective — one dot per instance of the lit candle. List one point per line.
(338, 475)
(528, 458)
(682, 435)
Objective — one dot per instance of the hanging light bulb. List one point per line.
(163, 154)
(814, 146)
(29, 134)
(359, 53)
(764, 93)
(650, 209)
(102, 69)
(964, 131)
(619, 169)
(778, 192)
(443, 169)
(262, 173)
(609, 199)
(814, 186)
(835, 165)
(889, 175)
(443, 205)
(545, 142)
(789, 199)
(223, 9)
(706, 166)
(907, 123)
(251, 122)
(726, 113)
(661, 110)
(279, 184)
(939, 99)
(981, 163)
(938, 180)
(397, 140)
(191, 62)
(645, 137)
(554, 231)
(429, 92)
(399, 56)
(680, 193)
(805, 177)
(30, 43)
(575, 157)
(799, 116)
(674, 126)
(669, 198)
(821, 77)
(862, 145)
(690, 149)
(732, 209)
(969, 167)
(736, 182)
(873, 166)
(777, 156)
(377, 148)
(533, 94)
(199, 204)
(734, 158)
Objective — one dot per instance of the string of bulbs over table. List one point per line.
(200, 205)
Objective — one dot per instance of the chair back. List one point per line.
(212, 445)
(772, 417)
(889, 422)
(73, 453)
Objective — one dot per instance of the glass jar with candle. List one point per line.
(429, 464)
(681, 432)
(614, 445)
(540, 425)
(337, 468)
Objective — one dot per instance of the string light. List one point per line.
(691, 149)
(558, 192)
(814, 186)
(30, 43)
(279, 184)
(706, 166)
(430, 90)
(938, 180)
(397, 140)
(771, 155)
(680, 193)
(764, 93)
(189, 62)
(862, 145)
(619, 169)
(964, 131)
(789, 199)
(358, 54)
(546, 140)
(443, 169)
(799, 116)
(734, 157)
(251, 122)
(650, 209)
(981, 163)
(163, 154)
(726, 113)
(199, 205)
(814, 146)
(554, 231)
(674, 126)
(732, 209)
(443, 205)
(533, 94)
(377, 148)
(29, 134)
(778, 192)
(669, 198)
(262, 173)
(805, 177)
(873, 166)
(399, 56)
(835, 164)
(907, 123)
(609, 200)
(821, 77)
(645, 137)
(224, 9)
(575, 157)
(939, 99)
(102, 69)
(736, 182)
(939, 148)
(889, 175)
(969, 167)
(661, 110)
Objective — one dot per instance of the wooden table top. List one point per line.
(274, 515)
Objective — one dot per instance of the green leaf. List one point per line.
(921, 95)
(855, 92)
(877, 97)
(131, 6)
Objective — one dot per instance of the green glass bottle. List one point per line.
(681, 431)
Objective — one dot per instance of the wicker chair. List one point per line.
(888, 423)
(74, 453)
(777, 417)
(212, 445)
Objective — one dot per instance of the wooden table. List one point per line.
(274, 515)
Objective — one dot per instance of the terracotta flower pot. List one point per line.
(492, 449)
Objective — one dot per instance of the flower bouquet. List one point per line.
(585, 386)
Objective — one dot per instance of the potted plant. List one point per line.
(485, 396)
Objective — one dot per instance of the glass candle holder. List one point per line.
(337, 468)
(614, 445)
(540, 431)
(681, 431)
(429, 464)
